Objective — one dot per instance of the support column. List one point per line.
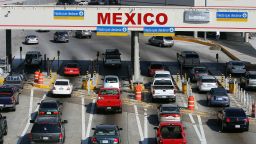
(8, 34)
(246, 37)
(205, 35)
(136, 67)
(132, 50)
(195, 34)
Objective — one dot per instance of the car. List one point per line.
(218, 97)
(83, 2)
(3, 128)
(9, 97)
(235, 67)
(83, 34)
(111, 81)
(168, 113)
(188, 59)
(31, 39)
(170, 133)
(248, 80)
(47, 130)
(232, 118)
(109, 134)
(155, 67)
(161, 41)
(43, 30)
(162, 74)
(61, 36)
(112, 57)
(109, 99)
(197, 72)
(206, 82)
(62, 87)
(15, 80)
(50, 107)
(72, 69)
(33, 58)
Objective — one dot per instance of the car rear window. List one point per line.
(72, 65)
(5, 92)
(209, 80)
(46, 128)
(171, 131)
(192, 56)
(112, 56)
(238, 63)
(61, 83)
(163, 82)
(200, 70)
(48, 105)
(157, 66)
(162, 75)
(31, 56)
(109, 92)
(235, 113)
(220, 92)
(175, 109)
(252, 76)
(111, 80)
(110, 132)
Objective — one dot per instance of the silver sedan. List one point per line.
(31, 39)
(168, 113)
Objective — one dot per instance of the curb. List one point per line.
(207, 43)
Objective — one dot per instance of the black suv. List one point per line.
(3, 128)
(112, 57)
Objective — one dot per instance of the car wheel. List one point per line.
(14, 108)
(222, 127)
(90, 37)
(160, 45)
(247, 128)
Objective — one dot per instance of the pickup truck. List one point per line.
(163, 88)
(188, 59)
(109, 99)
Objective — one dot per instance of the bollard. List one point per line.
(138, 91)
(41, 78)
(191, 104)
(231, 87)
(184, 87)
(253, 111)
(36, 77)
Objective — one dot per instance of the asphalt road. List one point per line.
(137, 120)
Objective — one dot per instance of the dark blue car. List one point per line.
(218, 97)
(9, 97)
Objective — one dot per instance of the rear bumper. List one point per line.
(164, 96)
(57, 92)
(233, 126)
(3, 106)
(108, 107)
(220, 103)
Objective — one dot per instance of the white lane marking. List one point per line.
(90, 119)
(138, 123)
(202, 130)
(195, 127)
(30, 111)
(83, 119)
(145, 126)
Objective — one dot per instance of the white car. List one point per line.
(31, 39)
(83, 2)
(62, 87)
(111, 81)
(206, 83)
(162, 74)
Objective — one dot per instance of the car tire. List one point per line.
(90, 37)
(13, 109)
(247, 128)
(209, 103)
(222, 127)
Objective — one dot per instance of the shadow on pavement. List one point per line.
(153, 119)
(213, 125)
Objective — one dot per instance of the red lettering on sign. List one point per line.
(158, 17)
(117, 18)
(103, 19)
(130, 18)
(145, 19)
(139, 19)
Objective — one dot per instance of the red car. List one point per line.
(154, 67)
(72, 69)
(109, 99)
(170, 133)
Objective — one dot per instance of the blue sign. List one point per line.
(112, 30)
(159, 31)
(232, 16)
(68, 14)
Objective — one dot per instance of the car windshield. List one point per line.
(111, 80)
(110, 132)
(112, 56)
(252, 76)
(209, 80)
(61, 83)
(168, 109)
(171, 132)
(5, 92)
(156, 66)
(192, 56)
(237, 63)
(162, 75)
(219, 92)
(235, 113)
(48, 105)
(109, 92)
(46, 128)
(72, 65)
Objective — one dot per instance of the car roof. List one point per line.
(114, 51)
(199, 67)
(105, 126)
(236, 61)
(162, 72)
(31, 35)
(207, 77)
(111, 76)
(62, 79)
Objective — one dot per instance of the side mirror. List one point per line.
(93, 128)
(32, 121)
(64, 121)
(4, 117)
(120, 128)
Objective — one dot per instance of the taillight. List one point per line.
(227, 120)
(55, 113)
(116, 140)
(94, 140)
(60, 136)
(41, 113)
(246, 120)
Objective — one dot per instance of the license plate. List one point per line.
(237, 126)
(163, 96)
(104, 141)
(109, 108)
(220, 99)
(45, 138)
(48, 112)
